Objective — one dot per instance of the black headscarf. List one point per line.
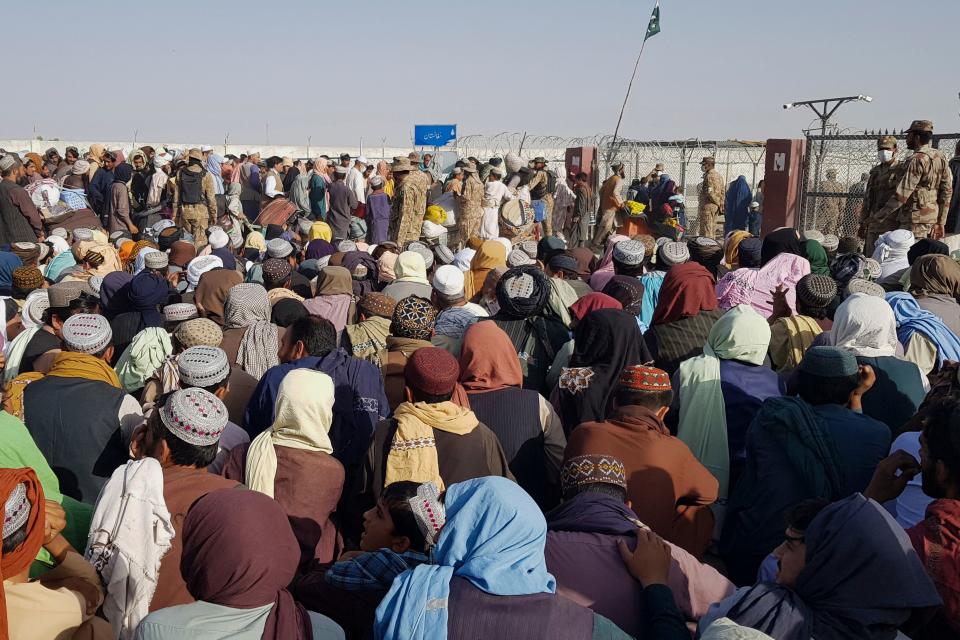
(628, 291)
(288, 178)
(168, 236)
(605, 342)
(510, 290)
(926, 247)
(780, 241)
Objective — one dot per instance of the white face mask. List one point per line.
(885, 155)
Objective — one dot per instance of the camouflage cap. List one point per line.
(886, 142)
(401, 165)
(921, 126)
(658, 166)
(709, 159)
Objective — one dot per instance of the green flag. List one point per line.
(653, 28)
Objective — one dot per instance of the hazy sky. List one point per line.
(336, 71)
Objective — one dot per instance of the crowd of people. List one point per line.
(249, 398)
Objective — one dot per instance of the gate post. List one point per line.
(783, 173)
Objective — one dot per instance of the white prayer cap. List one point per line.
(448, 280)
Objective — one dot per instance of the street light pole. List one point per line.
(824, 108)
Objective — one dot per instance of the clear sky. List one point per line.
(336, 71)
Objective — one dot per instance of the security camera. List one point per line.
(788, 105)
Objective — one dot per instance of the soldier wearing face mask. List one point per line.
(881, 185)
(922, 195)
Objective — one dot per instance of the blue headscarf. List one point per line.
(651, 294)
(862, 579)
(737, 205)
(8, 262)
(910, 318)
(494, 537)
(122, 173)
(60, 263)
(147, 291)
(658, 194)
(213, 166)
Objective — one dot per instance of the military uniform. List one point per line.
(409, 204)
(829, 207)
(881, 184)
(610, 203)
(195, 218)
(469, 208)
(712, 193)
(923, 192)
(538, 191)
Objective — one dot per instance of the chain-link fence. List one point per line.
(835, 177)
(680, 158)
(681, 162)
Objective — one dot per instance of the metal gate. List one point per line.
(835, 174)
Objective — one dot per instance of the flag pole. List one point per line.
(636, 66)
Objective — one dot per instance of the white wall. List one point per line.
(39, 146)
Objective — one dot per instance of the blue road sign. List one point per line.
(434, 135)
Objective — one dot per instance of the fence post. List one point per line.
(683, 170)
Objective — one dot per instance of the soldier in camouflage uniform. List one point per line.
(712, 194)
(881, 184)
(469, 206)
(409, 202)
(828, 215)
(923, 192)
(539, 186)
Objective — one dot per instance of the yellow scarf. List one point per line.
(13, 392)
(789, 340)
(320, 231)
(70, 364)
(413, 453)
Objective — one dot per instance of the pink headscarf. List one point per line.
(604, 272)
(320, 168)
(753, 286)
(386, 265)
(334, 296)
(234, 174)
(383, 170)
